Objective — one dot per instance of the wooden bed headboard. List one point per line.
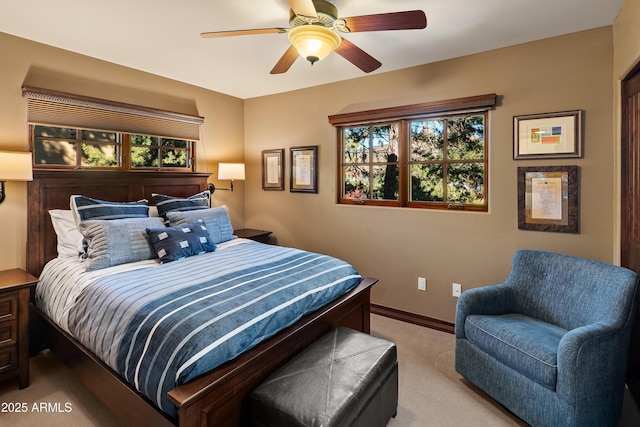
(51, 189)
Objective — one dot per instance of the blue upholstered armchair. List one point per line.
(551, 342)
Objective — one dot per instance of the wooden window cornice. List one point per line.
(468, 104)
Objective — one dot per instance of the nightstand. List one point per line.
(15, 289)
(261, 236)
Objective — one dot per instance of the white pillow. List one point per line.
(69, 238)
(153, 211)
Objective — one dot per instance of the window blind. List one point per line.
(47, 107)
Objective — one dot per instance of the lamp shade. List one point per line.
(230, 171)
(314, 42)
(15, 166)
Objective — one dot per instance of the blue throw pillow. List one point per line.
(116, 242)
(215, 219)
(178, 204)
(85, 208)
(174, 243)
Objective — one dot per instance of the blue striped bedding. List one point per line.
(161, 325)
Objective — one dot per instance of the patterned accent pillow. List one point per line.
(215, 219)
(85, 208)
(172, 204)
(182, 241)
(114, 242)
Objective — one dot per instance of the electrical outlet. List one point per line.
(422, 283)
(456, 289)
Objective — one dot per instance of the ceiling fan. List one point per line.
(314, 28)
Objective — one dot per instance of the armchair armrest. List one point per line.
(496, 299)
(592, 361)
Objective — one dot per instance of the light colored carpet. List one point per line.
(431, 392)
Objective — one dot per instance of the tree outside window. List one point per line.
(437, 160)
(67, 147)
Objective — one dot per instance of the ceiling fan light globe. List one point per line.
(314, 42)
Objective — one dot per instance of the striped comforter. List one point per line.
(161, 325)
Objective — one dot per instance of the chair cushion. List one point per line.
(525, 344)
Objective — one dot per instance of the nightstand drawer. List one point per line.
(8, 307)
(8, 359)
(16, 285)
(8, 333)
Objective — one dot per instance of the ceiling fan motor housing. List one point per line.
(327, 14)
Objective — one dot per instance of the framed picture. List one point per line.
(273, 169)
(549, 135)
(304, 169)
(548, 198)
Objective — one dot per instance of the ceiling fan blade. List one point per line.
(230, 33)
(286, 61)
(303, 7)
(357, 56)
(409, 20)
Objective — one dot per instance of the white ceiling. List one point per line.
(163, 36)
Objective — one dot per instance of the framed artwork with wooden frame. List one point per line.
(548, 135)
(304, 169)
(273, 169)
(548, 198)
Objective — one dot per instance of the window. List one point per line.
(370, 163)
(66, 147)
(73, 131)
(154, 151)
(430, 155)
(60, 146)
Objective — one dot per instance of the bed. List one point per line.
(213, 398)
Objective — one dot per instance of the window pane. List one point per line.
(96, 135)
(356, 145)
(144, 140)
(465, 138)
(61, 153)
(427, 183)
(356, 182)
(99, 155)
(427, 140)
(174, 158)
(142, 157)
(178, 143)
(466, 183)
(385, 143)
(54, 132)
(385, 182)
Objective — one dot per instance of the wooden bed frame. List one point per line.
(217, 398)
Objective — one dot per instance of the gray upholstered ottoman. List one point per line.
(346, 378)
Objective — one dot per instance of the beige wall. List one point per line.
(398, 245)
(626, 54)
(33, 64)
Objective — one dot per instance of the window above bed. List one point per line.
(75, 132)
(76, 148)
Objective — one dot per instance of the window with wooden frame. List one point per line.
(75, 132)
(432, 155)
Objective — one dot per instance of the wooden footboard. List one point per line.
(218, 398)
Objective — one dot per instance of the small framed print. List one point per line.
(549, 135)
(548, 198)
(304, 169)
(273, 169)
